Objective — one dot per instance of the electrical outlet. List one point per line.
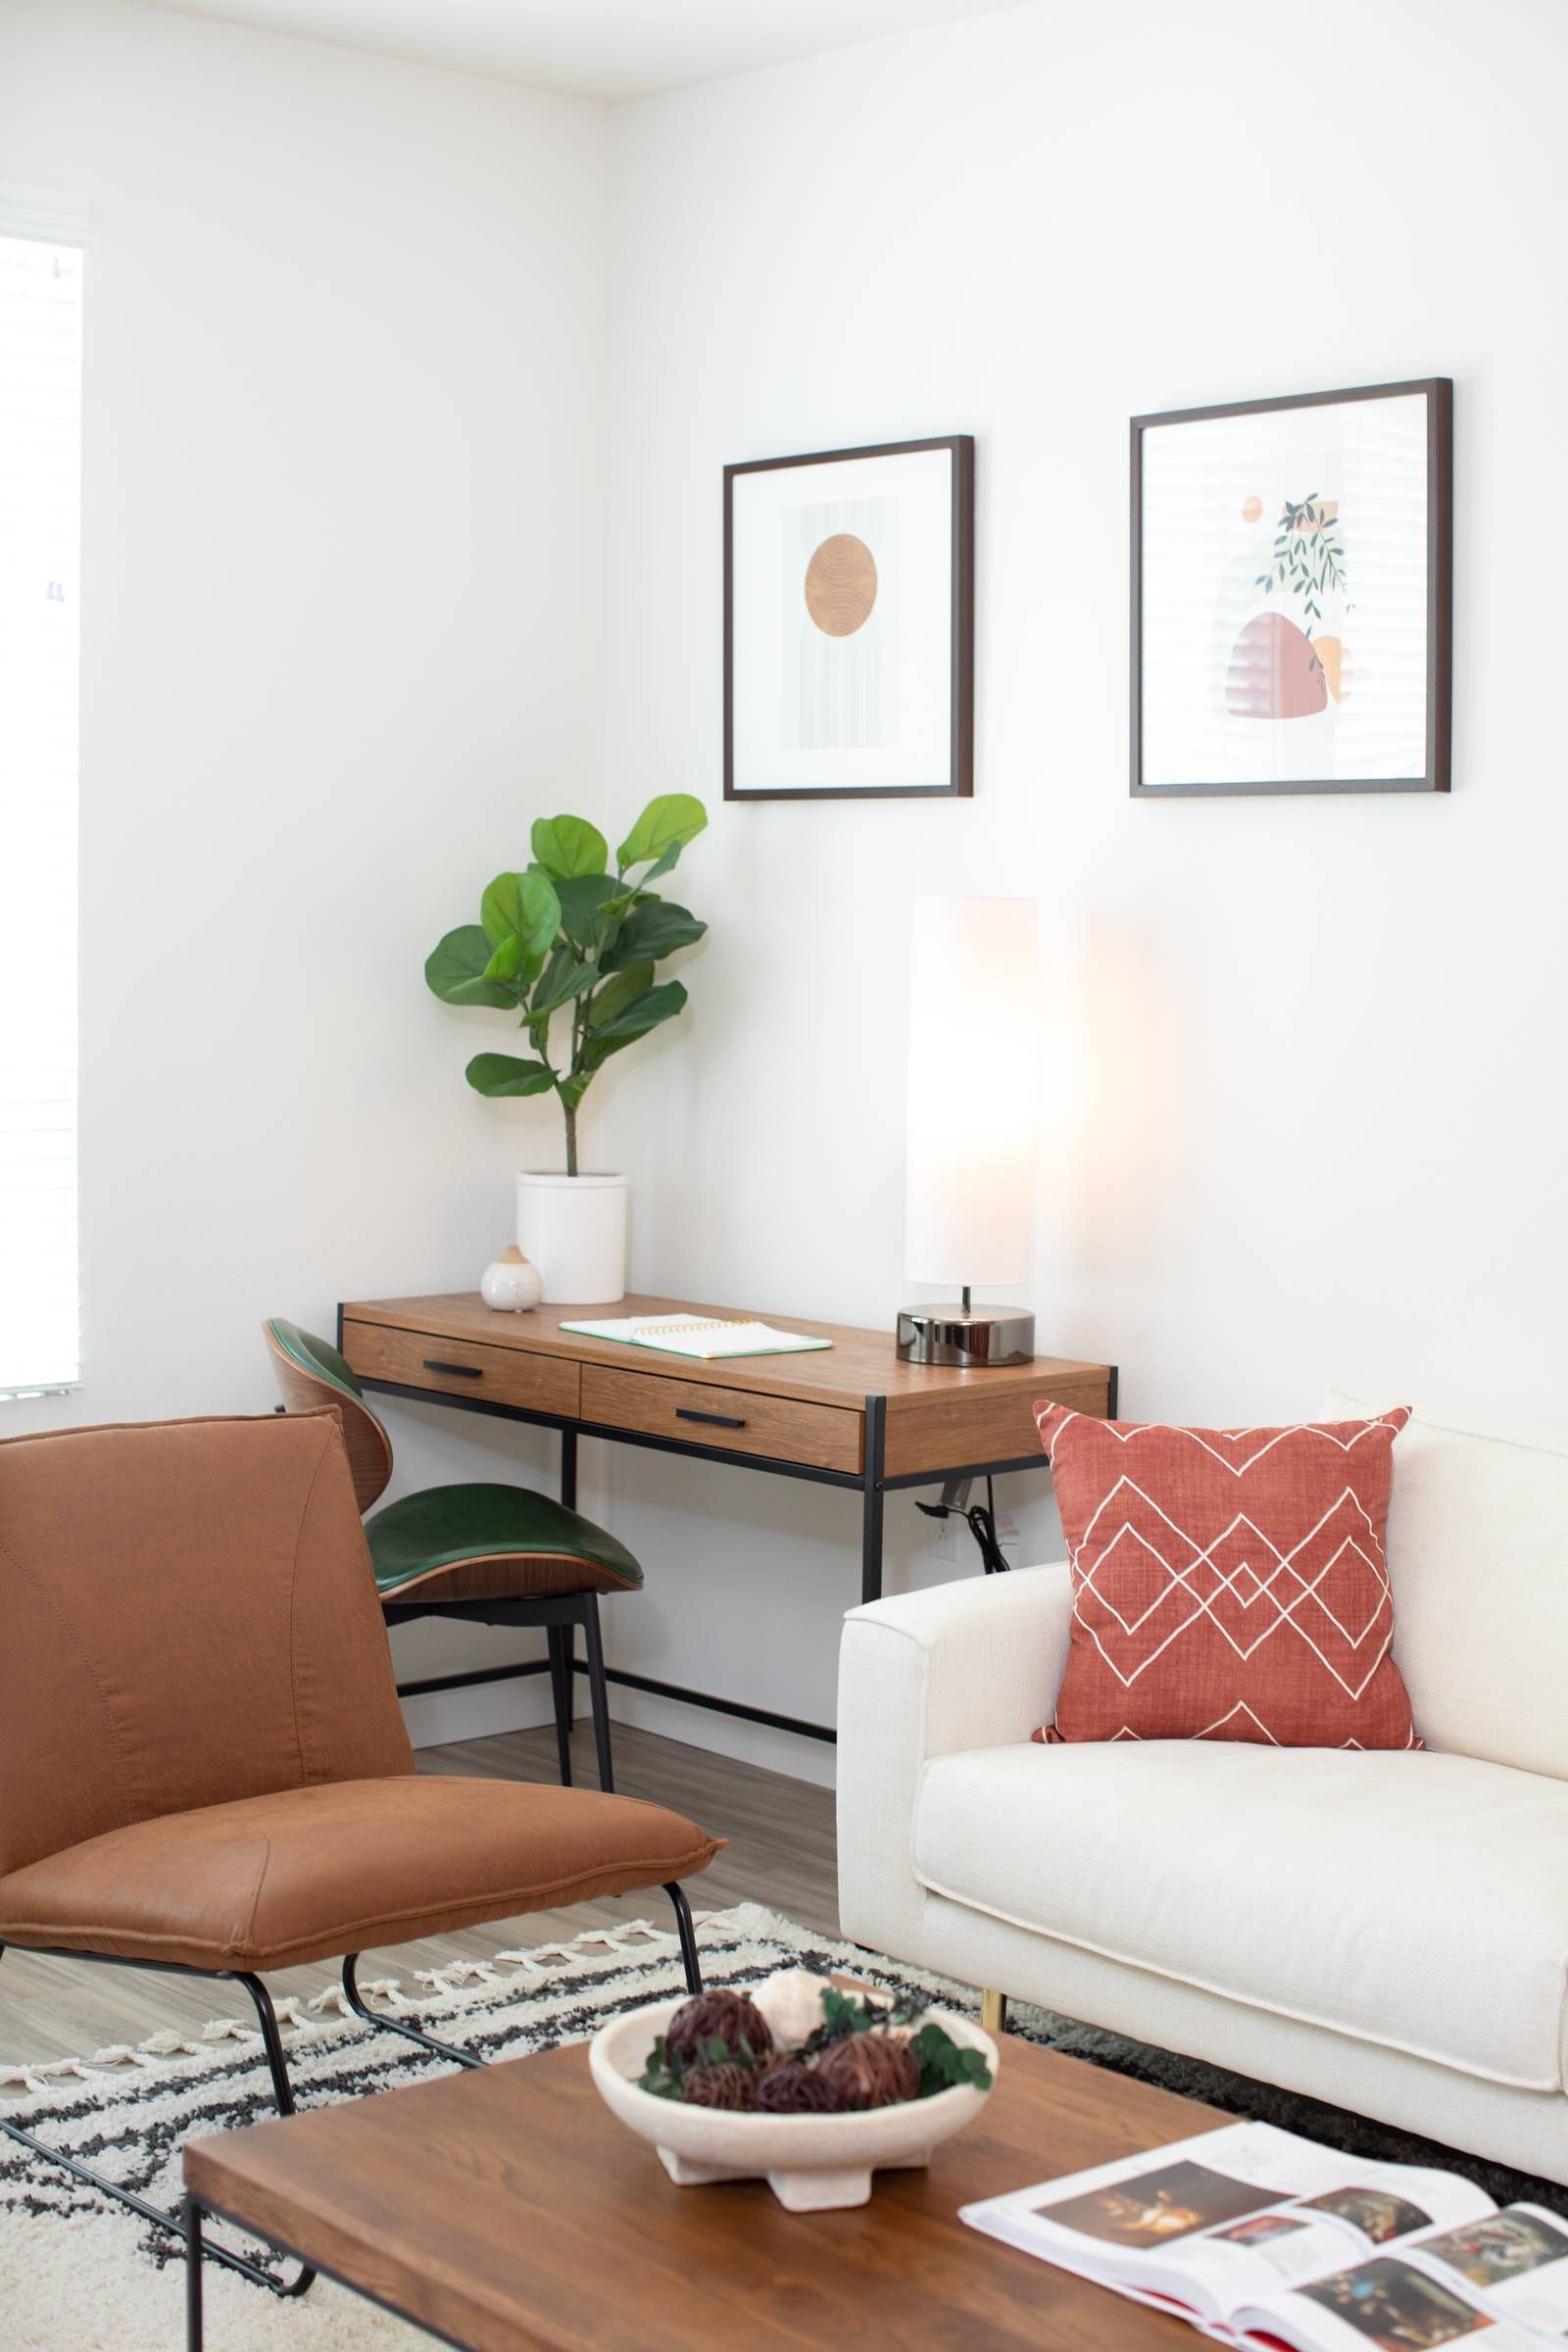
(953, 1543)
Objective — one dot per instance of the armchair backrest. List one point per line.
(187, 1615)
(1478, 1559)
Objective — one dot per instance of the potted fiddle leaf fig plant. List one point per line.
(571, 938)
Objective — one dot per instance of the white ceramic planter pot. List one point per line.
(573, 1228)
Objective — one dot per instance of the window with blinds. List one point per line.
(40, 477)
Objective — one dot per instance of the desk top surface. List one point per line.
(860, 1363)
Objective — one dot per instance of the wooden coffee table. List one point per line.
(506, 2211)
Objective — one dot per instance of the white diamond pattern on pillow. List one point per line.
(1228, 1584)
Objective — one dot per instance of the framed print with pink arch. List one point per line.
(1291, 594)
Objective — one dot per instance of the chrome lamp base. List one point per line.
(975, 1338)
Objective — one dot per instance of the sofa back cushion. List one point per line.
(1478, 1557)
(1228, 1584)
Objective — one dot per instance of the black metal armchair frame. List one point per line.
(277, 2067)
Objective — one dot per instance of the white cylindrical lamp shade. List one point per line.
(974, 1045)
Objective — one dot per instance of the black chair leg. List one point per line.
(397, 2025)
(560, 1692)
(597, 1691)
(178, 2222)
(688, 1936)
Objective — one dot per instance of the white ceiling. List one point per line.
(594, 48)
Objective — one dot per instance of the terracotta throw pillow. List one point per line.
(1228, 1584)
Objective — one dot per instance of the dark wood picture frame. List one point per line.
(961, 784)
(1438, 392)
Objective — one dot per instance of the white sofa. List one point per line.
(1384, 1932)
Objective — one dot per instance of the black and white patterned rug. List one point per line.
(79, 2274)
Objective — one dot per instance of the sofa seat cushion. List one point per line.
(1408, 1898)
(307, 1874)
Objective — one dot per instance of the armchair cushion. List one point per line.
(307, 1874)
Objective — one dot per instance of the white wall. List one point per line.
(350, 403)
(1303, 1056)
(343, 379)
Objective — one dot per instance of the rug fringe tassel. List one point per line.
(631, 1939)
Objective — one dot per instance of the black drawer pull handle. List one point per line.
(463, 1371)
(715, 1420)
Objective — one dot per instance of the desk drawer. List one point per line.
(415, 1359)
(740, 1419)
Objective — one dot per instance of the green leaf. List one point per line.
(597, 1050)
(663, 861)
(567, 846)
(581, 901)
(655, 928)
(618, 993)
(456, 971)
(506, 961)
(562, 978)
(669, 821)
(643, 1011)
(504, 1074)
(572, 1090)
(522, 907)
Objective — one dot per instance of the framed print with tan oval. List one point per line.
(848, 623)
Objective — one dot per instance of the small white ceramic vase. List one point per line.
(574, 1230)
(510, 1284)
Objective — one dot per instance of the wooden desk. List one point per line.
(852, 1415)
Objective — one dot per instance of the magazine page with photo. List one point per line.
(1224, 2219)
(1504, 2277)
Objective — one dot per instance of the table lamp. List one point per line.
(974, 1043)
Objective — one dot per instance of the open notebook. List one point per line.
(699, 1336)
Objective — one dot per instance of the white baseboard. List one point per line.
(800, 1759)
(483, 1709)
(480, 1711)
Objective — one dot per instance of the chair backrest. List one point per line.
(1478, 1558)
(187, 1615)
(311, 1373)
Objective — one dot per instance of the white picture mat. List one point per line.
(1200, 562)
(910, 630)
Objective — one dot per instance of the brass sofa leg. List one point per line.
(994, 2011)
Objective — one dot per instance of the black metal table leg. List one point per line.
(876, 1409)
(569, 1468)
(192, 2214)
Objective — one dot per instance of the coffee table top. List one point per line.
(507, 2211)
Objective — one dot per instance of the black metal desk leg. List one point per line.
(569, 1468)
(192, 2214)
(871, 1519)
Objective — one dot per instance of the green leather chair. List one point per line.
(494, 1555)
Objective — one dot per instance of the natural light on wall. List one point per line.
(40, 473)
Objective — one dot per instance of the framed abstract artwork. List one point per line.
(848, 623)
(1291, 594)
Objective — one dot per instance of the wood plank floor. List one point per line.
(781, 1853)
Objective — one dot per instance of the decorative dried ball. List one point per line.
(726, 2017)
(730, 2087)
(870, 2070)
(792, 2089)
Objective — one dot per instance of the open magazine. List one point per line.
(1261, 2238)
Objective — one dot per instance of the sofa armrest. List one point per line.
(973, 1664)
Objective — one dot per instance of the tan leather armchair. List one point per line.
(203, 1763)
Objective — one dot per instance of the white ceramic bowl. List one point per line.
(809, 2161)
